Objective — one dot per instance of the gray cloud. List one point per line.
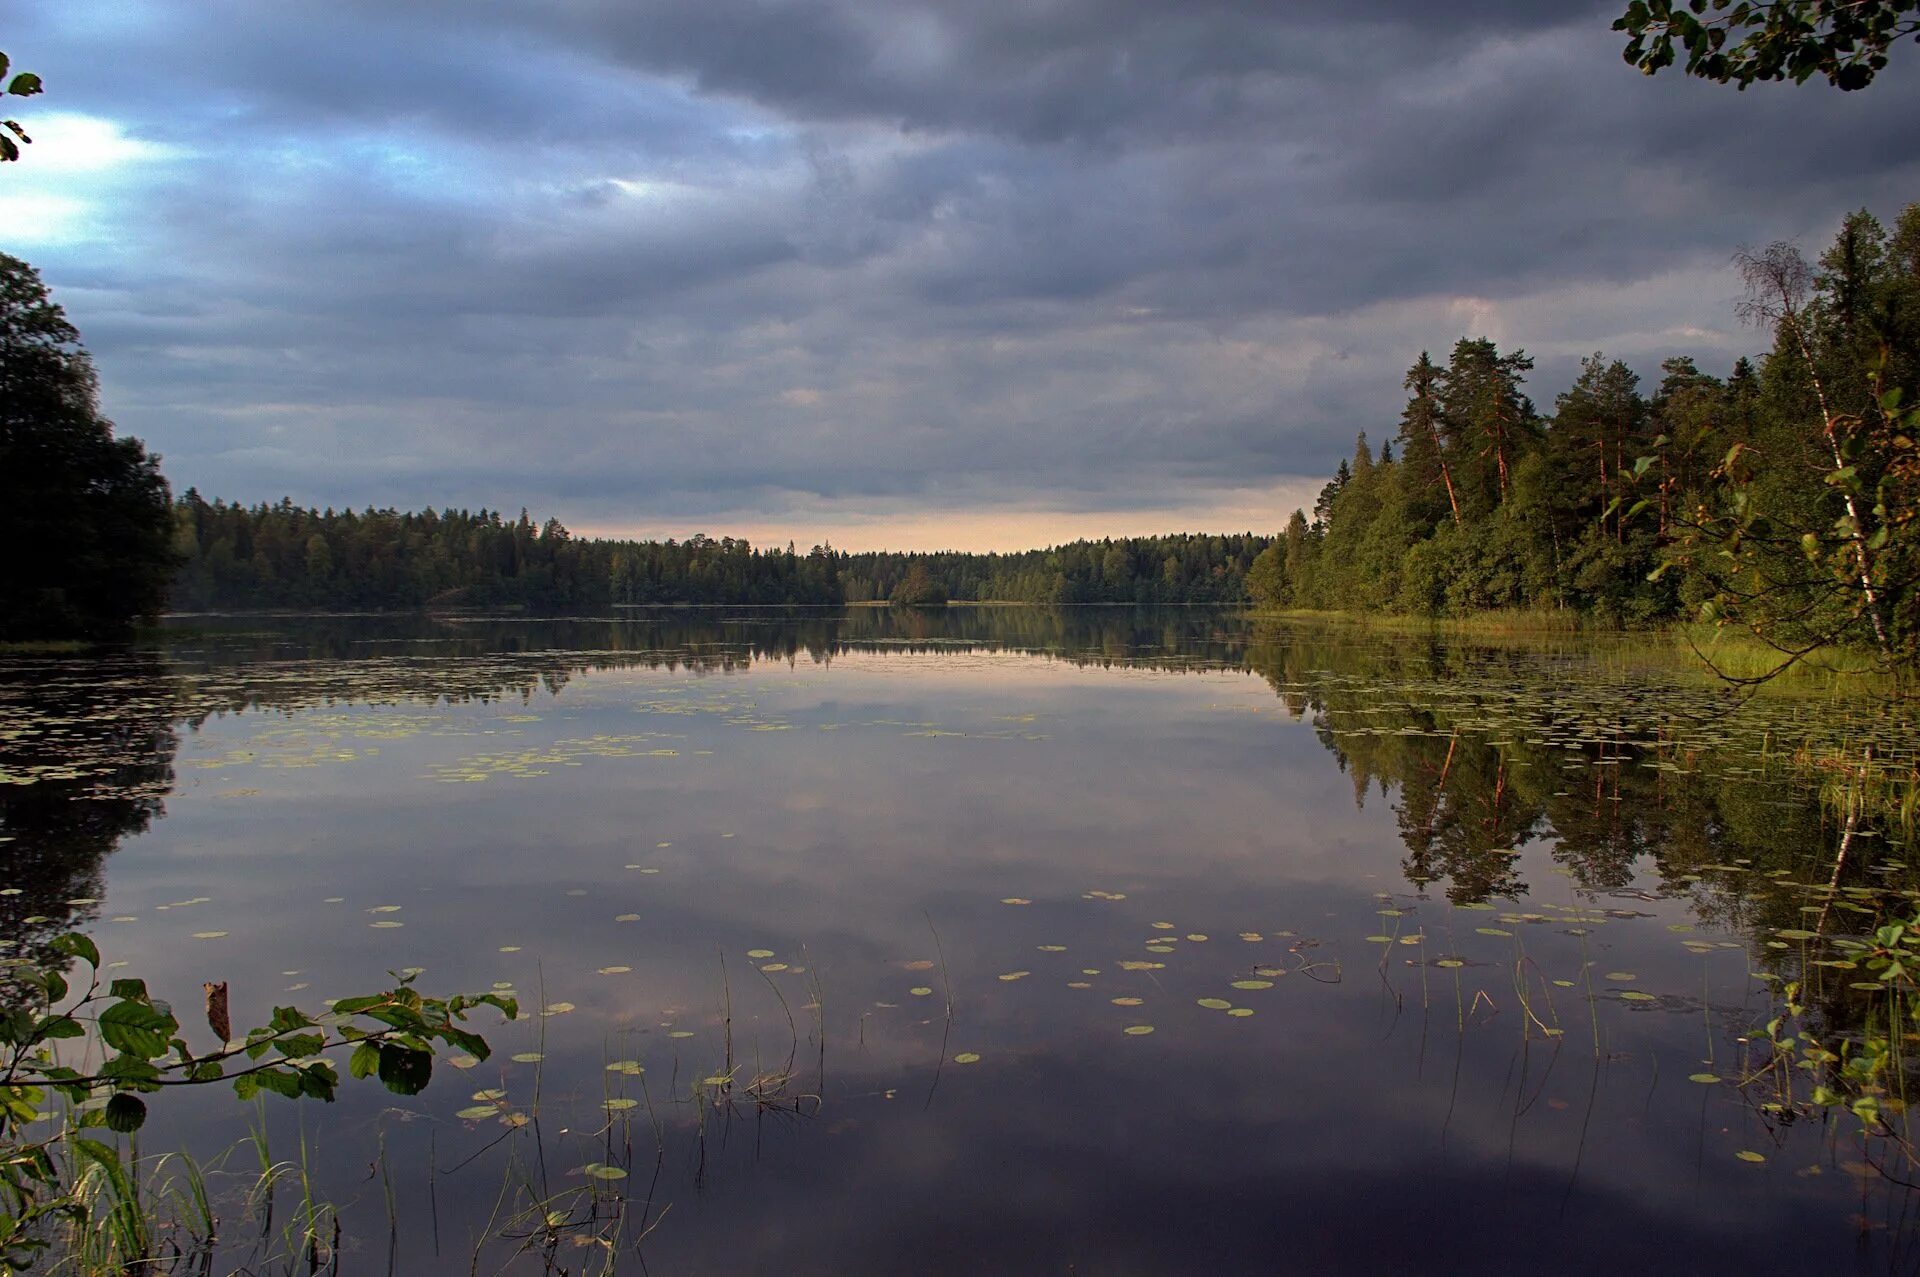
(640, 262)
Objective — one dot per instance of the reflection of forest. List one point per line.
(1621, 771)
(1480, 748)
(86, 757)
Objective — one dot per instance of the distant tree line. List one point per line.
(1785, 497)
(1179, 568)
(285, 556)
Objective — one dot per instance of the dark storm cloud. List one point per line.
(676, 260)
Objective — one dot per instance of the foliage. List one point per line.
(1807, 532)
(143, 1050)
(85, 515)
(1741, 41)
(1818, 1060)
(1784, 499)
(918, 589)
(24, 84)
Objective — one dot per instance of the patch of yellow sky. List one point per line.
(1263, 509)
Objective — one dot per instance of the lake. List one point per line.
(984, 940)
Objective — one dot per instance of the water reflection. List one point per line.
(86, 757)
(773, 850)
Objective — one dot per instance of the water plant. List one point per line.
(100, 1046)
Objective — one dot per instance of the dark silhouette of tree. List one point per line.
(84, 516)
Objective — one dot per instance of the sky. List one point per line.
(891, 273)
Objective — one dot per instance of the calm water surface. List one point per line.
(1018, 940)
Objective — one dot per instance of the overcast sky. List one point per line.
(904, 272)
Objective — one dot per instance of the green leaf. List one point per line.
(136, 1028)
(58, 1026)
(75, 945)
(135, 989)
(126, 1113)
(404, 1070)
(131, 1069)
(25, 85)
(287, 1019)
(364, 1061)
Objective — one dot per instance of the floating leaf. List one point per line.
(477, 1113)
(1704, 1079)
(1215, 1004)
(1137, 1030)
(967, 1057)
(759, 953)
(1253, 984)
(1127, 1002)
(1748, 1155)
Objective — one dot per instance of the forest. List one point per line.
(282, 556)
(1783, 497)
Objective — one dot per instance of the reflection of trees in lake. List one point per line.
(1485, 750)
(1481, 748)
(88, 752)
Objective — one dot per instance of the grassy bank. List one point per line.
(1728, 655)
